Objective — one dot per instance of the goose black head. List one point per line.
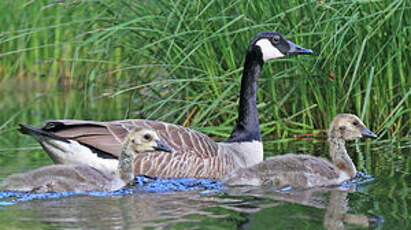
(270, 45)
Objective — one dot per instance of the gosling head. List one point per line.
(146, 140)
(349, 127)
(269, 45)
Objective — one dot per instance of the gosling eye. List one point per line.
(133, 141)
(355, 123)
(147, 137)
(275, 39)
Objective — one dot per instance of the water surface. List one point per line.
(383, 201)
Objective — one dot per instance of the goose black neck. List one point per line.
(247, 127)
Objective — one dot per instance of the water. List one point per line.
(381, 200)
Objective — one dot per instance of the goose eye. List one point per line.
(355, 123)
(147, 137)
(275, 39)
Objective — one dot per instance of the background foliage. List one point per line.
(181, 62)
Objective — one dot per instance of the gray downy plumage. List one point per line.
(81, 177)
(303, 170)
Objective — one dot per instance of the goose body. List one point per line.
(81, 177)
(193, 154)
(304, 170)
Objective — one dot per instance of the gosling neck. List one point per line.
(247, 127)
(340, 157)
(126, 164)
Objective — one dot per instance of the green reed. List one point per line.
(181, 62)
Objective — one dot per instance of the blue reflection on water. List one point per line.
(154, 185)
(161, 185)
(360, 178)
(143, 184)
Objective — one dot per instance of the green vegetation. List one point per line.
(181, 62)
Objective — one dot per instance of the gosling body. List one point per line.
(83, 178)
(304, 170)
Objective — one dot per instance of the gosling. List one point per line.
(304, 170)
(84, 178)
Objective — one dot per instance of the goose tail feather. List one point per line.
(38, 132)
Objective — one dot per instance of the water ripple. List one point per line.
(143, 184)
(360, 178)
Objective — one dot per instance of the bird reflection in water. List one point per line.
(242, 206)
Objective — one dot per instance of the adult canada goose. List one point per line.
(304, 170)
(79, 178)
(194, 154)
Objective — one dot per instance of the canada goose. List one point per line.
(194, 154)
(80, 178)
(304, 170)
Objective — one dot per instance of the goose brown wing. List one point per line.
(109, 136)
(183, 164)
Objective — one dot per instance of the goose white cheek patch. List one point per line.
(269, 51)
